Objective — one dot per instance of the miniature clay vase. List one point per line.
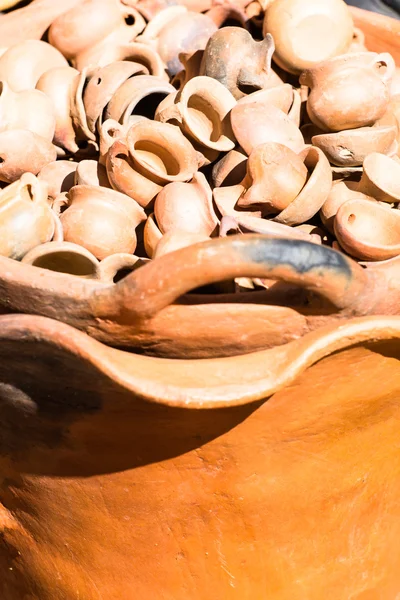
(59, 177)
(23, 64)
(101, 220)
(368, 230)
(277, 177)
(341, 191)
(29, 109)
(177, 239)
(349, 91)
(236, 60)
(26, 219)
(64, 257)
(306, 33)
(139, 95)
(175, 30)
(102, 85)
(256, 123)
(22, 151)
(349, 148)
(202, 108)
(380, 178)
(154, 154)
(186, 207)
(58, 84)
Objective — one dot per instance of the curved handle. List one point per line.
(153, 287)
(385, 59)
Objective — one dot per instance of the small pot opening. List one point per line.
(351, 219)
(67, 262)
(130, 20)
(158, 158)
(204, 117)
(147, 106)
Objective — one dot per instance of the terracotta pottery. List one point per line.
(380, 178)
(64, 257)
(277, 177)
(368, 230)
(90, 172)
(59, 177)
(306, 33)
(32, 21)
(23, 64)
(230, 169)
(117, 266)
(139, 95)
(228, 13)
(280, 96)
(350, 147)
(358, 41)
(110, 131)
(255, 123)
(154, 154)
(58, 84)
(174, 30)
(23, 151)
(101, 220)
(349, 91)
(145, 400)
(186, 207)
(202, 107)
(77, 110)
(177, 239)
(236, 60)
(381, 33)
(30, 110)
(26, 218)
(103, 84)
(341, 191)
(136, 52)
(151, 235)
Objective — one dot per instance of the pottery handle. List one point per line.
(385, 60)
(158, 284)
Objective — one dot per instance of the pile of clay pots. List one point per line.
(129, 129)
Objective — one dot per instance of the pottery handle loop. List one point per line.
(386, 60)
(158, 284)
(170, 113)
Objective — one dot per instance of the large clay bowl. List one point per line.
(115, 485)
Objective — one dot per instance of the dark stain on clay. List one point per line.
(301, 256)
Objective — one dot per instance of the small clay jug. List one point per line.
(236, 60)
(186, 207)
(368, 230)
(350, 147)
(23, 64)
(174, 30)
(277, 176)
(306, 33)
(23, 151)
(381, 178)
(349, 91)
(341, 191)
(26, 218)
(101, 220)
(64, 257)
(154, 154)
(256, 123)
(58, 84)
(177, 239)
(59, 177)
(139, 95)
(202, 108)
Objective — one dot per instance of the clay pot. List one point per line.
(341, 191)
(174, 30)
(26, 219)
(202, 108)
(246, 63)
(380, 178)
(90, 172)
(349, 91)
(110, 131)
(191, 62)
(230, 169)
(141, 54)
(277, 177)
(30, 110)
(64, 257)
(23, 151)
(186, 207)
(228, 14)
(22, 65)
(77, 110)
(101, 220)
(58, 84)
(117, 266)
(177, 239)
(59, 177)
(255, 123)
(306, 33)
(103, 84)
(350, 147)
(368, 230)
(138, 95)
(151, 236)
(280, 96)
(154, 154)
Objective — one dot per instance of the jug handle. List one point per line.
(151, 288)
(385, 59)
